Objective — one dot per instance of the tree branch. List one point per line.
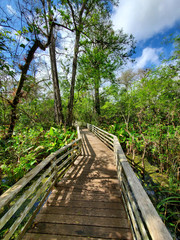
(73, 14)
(61, 25)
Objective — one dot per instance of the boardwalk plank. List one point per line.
(86, 220)
(75, 195)
(86, 211)
(37, 236)
(87, 203)
(84, 231)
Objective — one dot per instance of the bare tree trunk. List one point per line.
(78, 24)
(143, 162)
(17, 96)
(97, 99)
(59, 117)
(71, 98)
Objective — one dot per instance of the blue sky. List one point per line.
(150, 21)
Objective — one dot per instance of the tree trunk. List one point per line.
(78, 24)
(97, 99)
(17, 96)
(71, 97)
(143, 162)
(59, 117)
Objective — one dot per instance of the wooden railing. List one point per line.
(144, 219)
(20, 203)
(104, 136)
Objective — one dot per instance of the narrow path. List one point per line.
(86, 204)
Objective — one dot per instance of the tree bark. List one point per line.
(97, 98)
(59, 117)
(78, 24)
(71, 98)
(17, 96)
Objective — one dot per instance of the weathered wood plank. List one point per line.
(82, 220)
(66, 161)
(64, 189)
(22, 199)
(129, 209)
(86, 211)
(58, 196)
(37, 236)
(78, 132)
(83, 206)
(92, 188)
(155, 227)
(104, 131)
(86, 203)
(28, 207)
(104, 138)
(66, 154)
(30, 220)
(133, 209)
(84, 231)
(16, 188)
(91, 180)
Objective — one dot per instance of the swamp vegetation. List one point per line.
(140, 107)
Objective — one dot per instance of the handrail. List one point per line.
(104, 136)
(25, 198)
(144, 219)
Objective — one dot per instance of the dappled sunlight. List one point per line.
(87, 201)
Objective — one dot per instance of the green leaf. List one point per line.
(22, 45)
(19, 32)
(51, 132)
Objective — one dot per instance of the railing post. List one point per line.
(115, 150)
(78, 132)
(79, 137)
(54, 169)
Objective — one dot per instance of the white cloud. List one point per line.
(10, 9)
(144, 18)
(149, 56)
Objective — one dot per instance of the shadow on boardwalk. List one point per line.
(86, 204)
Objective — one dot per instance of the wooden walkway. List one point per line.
(86, 204)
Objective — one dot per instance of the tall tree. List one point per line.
(59, 117)
(30, 15)
(127, 78)
(81, 14)
(77, 9)
(104, 53)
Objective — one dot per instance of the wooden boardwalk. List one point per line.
(87, 203)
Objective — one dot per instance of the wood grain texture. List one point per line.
(144, 215)
(87, 203)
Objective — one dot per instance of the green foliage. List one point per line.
(27, 148)
(5, 40)
(145, 118)
(143, 114)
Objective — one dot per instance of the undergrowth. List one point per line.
(163, 187)
(26, 149)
